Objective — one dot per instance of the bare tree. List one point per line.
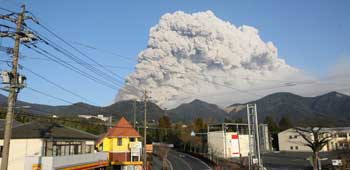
(315, 140)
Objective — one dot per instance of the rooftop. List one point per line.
(47, 130)
(123, 128)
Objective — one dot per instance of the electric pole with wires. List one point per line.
(15, 84)
(134, 111)
(145, 130)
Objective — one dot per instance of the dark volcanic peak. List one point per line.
(333, 106)
(198, 109)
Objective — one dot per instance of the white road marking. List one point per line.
(171, 165)
(209, 168)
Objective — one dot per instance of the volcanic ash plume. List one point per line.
(198, 55)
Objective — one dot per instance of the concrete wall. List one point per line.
(51, 163)
(19, 148)
(220, 145)
(216, 143)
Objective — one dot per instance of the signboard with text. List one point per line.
(135, 148)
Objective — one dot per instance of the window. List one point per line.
(88, 148)
(1, 147)
(132, 139)
(290, 137)
(296, 147)
(295, 136)
(291, 148)
(120, 142)
(61, 148)
(342, 135)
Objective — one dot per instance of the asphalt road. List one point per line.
(182, 161)
(294, 160)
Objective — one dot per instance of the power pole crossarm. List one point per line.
(14, 89)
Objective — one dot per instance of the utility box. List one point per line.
(6, 77)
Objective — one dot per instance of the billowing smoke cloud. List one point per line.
(198, 55)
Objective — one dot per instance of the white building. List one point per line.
(48, 146)
(99, 116)
(229, 140)
(290, 140)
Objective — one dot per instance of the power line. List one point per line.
(7, 10)
(77, 50)
(45, 59)
(79, 61)
(82, 62)
(48, 95)
(71, 67)
(103, 50)
(57, 85)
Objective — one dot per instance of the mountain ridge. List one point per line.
(333, 106)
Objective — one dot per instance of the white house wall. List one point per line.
(19, 148)
(295, 143)
(289, 139)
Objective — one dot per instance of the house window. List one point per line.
(342, 135)
(296, 148)
(291, 148)
(132, 139)
(88, 148)
(295, 136)
(290, 137)
(1, 147)
(120, 142)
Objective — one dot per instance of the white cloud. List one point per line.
(186, 53)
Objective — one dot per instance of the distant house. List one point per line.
(99, 116)
(123, 144)
(51, 146)
(290, 140)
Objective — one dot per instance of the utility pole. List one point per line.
(134, 107)
(145, 131)
(14, 89)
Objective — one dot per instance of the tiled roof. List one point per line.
(122, 128)
(47, 130)
(14, 123)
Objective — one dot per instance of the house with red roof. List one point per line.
(123, 144)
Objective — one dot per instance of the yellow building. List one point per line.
(123, 144)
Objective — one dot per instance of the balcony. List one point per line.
(92, 160)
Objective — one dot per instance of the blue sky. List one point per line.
(310, 35)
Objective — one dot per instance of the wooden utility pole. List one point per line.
(14, 89)
(134, 107)
(145, 131)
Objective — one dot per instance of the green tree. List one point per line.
(228, 120)
(199, 124)
(239, 120)
(272, 125)
(164, 125)
(164, 122)
(273, 129)
(284, 124)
